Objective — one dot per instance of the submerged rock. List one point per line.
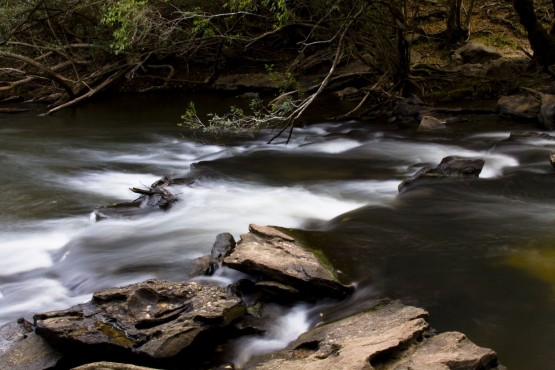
(449, 167)
(155, 318)
(276, 256)
(390, 336)
(22, 349)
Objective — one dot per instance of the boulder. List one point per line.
(389, 336)
(22, 349)
(274, 255)
(519, 106)
(156, 319)
(476, 53)
(430, 123)
(450, 167)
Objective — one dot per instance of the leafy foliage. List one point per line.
(237, 122)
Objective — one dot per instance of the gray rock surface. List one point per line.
(276, 256)
(388, 337)
(22, 349)
(155, 318)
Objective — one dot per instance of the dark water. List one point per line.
(478, 254)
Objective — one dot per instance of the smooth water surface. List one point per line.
(478, 254)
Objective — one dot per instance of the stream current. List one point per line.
(478, 254)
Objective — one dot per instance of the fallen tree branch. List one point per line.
(48, 72)
(117, 75)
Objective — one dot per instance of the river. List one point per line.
(478, 254)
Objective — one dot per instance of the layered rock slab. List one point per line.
(391, 336)
(275, 255)
(155, 318)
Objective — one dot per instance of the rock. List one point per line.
(429, 123)
(111, 366)
(552, 159)
(202, 266)
(450, 350)
(273, 255)
(410, 108)
(476, 53)
(519, 106)
(222, 247)
(355, 342)
(546, 117)
(388, 337)
(22, 349)
(155, 318)
(520, 136)
(277, 292)
(450, 167)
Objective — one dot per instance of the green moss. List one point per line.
(115, 335)
(312, 241)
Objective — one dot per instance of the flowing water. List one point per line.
(478, 254)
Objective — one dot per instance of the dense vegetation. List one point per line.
(64, 51)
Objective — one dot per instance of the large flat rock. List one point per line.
(274, 255)
(391, 336)
(155, 318)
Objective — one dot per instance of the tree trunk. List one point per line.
(456, 30)
(542, 43)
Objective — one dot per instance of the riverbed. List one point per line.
(479, 254)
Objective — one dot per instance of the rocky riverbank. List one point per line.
(176, 325)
